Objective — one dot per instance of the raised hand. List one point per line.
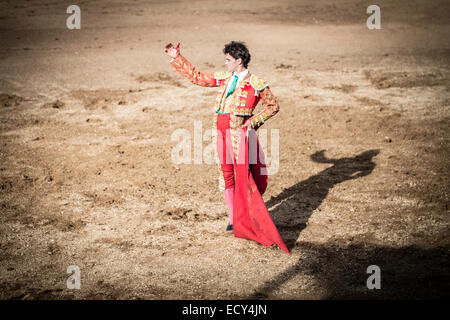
(171, 50)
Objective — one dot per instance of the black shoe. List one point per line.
(229, 227)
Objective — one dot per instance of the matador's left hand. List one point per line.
(247, 124)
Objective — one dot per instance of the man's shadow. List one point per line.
(291, 209)
(339, 270)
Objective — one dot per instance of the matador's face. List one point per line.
(231, 63)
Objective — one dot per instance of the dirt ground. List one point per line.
(87, 178)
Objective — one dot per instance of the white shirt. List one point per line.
(241, 75)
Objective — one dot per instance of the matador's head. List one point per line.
(237, 56)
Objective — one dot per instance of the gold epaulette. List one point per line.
(257, 83)
(221, 75)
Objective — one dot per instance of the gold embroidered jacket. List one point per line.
(245, 97)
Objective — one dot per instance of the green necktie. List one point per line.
(233, 86)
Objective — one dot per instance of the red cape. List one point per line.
(251, 220)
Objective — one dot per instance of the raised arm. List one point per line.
(187, 70)
(269, 111)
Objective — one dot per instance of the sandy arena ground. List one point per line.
(86, 118)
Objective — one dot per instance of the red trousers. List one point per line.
(225, 149)
(251, 220)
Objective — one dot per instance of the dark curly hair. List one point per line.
(238, 50)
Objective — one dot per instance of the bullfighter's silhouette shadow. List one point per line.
(339, 269)
(291, 209)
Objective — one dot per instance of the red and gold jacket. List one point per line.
(244, 99)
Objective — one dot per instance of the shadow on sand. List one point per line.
(340, 270)
(291, 209)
